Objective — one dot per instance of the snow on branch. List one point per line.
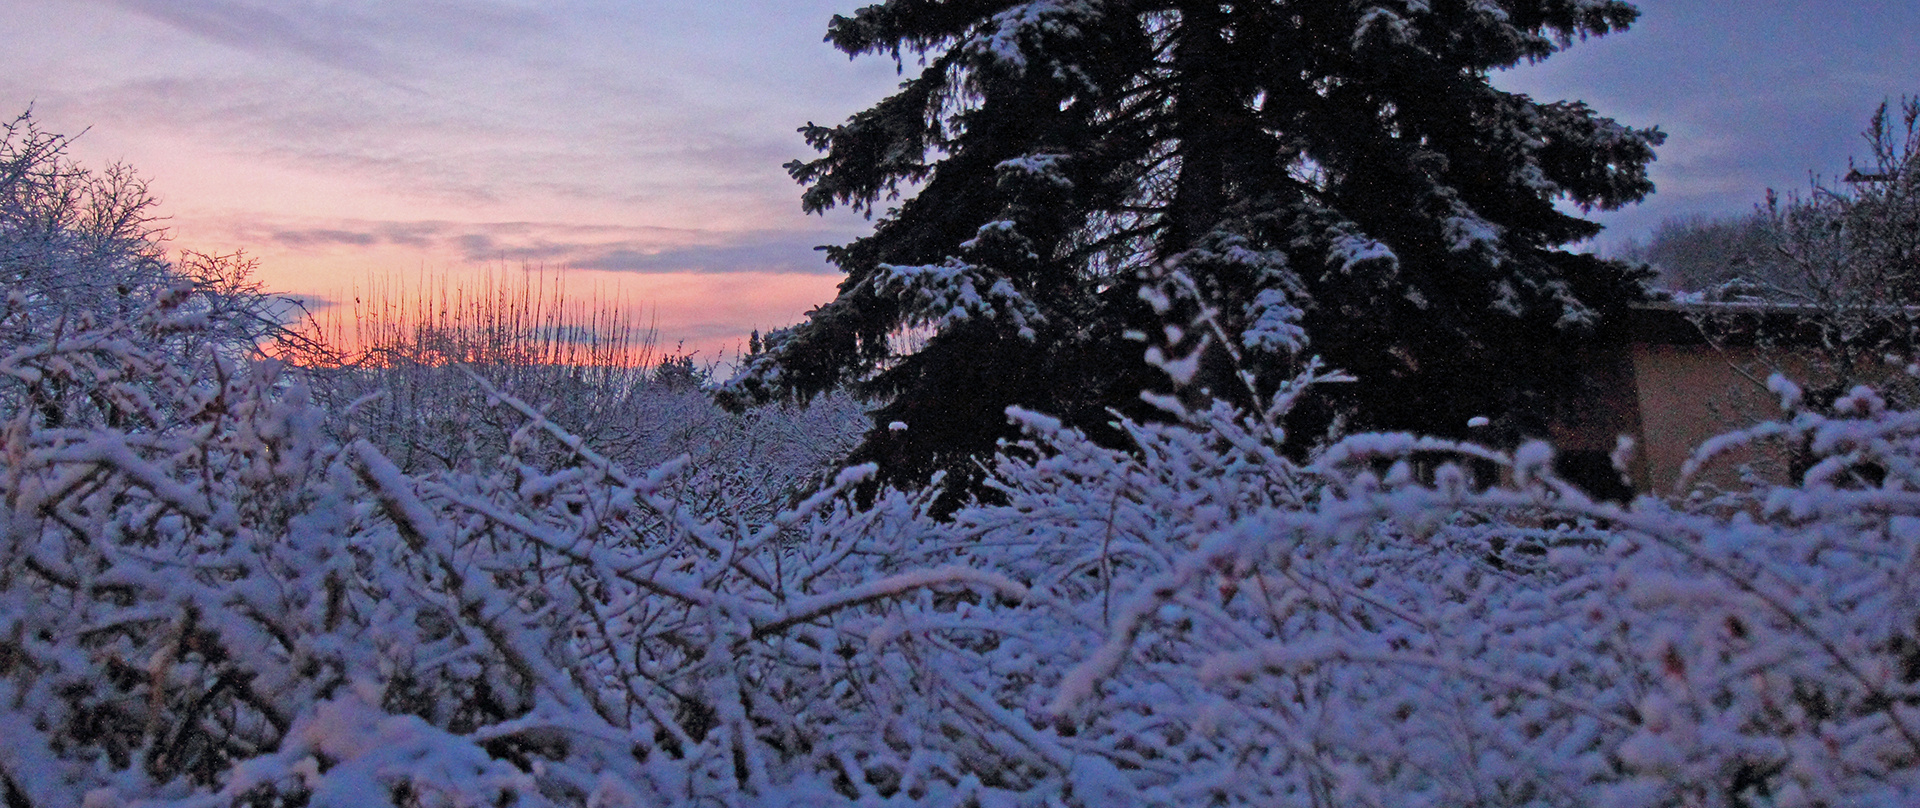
(208, 599)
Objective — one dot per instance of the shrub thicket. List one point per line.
(216, 602)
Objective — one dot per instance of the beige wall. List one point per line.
(1690, 393)
(1667, 386)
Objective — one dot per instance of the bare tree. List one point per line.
(1831, 288)
(81, 250)
(73, 242)
(1853, 249)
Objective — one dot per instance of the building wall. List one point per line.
(1664, 383)
(1690, 393)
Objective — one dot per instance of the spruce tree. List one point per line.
(1342, 170)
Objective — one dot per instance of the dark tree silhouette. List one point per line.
(1300, 167)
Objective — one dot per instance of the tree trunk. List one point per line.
(1203, 105)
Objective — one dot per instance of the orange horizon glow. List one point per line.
(669, 313)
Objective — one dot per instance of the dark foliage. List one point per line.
(1076, 173)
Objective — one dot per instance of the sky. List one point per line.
(634, 147)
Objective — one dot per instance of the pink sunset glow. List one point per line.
(638, 145)
(633, 148)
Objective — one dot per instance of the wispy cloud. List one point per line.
(324, 237)
(644, 250)
(751, 252)
(675, 112)
(371, 38)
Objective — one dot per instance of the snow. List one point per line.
(1467, 232)
(1351, 252)
(1380, 24)
(1275, 324)
(957, 291)
(1017, 36)
(1046, 168)
(1180, 369)
(217, 595)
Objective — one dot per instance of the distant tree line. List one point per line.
(1695, 252)
(1847, 243)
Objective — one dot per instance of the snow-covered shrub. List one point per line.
(401, 379)
(207, 601)
(1366, 631)
(81, 247)
(1205, 621)
(210, 597)
(399, 375)
(182, 585)
(74, 242)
